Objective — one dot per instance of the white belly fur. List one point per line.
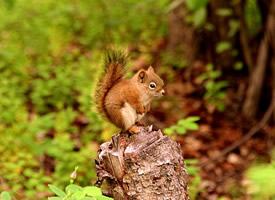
(130, 116)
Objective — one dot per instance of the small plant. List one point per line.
(183, 125)
(75, 192)
(261, 182)
(5, 196)
(215, 93)
(195, 178)
(198, 9)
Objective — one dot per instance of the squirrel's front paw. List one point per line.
(141, 110)
(140, 123)
(133, 130)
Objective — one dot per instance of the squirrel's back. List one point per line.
(114, 67)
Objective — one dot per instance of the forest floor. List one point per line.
(223, 176)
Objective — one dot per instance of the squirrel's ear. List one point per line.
(150, 69)
(142, 75)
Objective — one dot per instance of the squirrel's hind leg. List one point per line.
(129, 117)
(133, 130)
(139, 117)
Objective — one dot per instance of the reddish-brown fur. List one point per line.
(123, 101)
(122, 92)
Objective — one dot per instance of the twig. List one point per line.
(247, 136)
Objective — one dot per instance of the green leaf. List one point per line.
(55, 198)
(221, 95)
(92, 191)
(262, 178)
(5, 196)
(221, 84)
(72, 188)
(196, 4)
(223, 46)
(181, 122)
(173, 5)
(209, 27)
(192, 170)
(210, 85)
(238, 65)
(57, 191)
(199, 17)
(181, 130)
(191, 161)
(191, 126)
(224, 12)
(192, 119)
(168, 131)
(9, 3)
(234, 27)
(209, 67)
(215, 74)
(78, 195)
(28, 172)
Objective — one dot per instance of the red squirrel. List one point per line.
(124, 102)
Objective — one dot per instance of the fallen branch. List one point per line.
(247, 136)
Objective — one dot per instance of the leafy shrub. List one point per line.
(49, 59)
(261, 181)
(183, 125)
(5, 196)
(214, 95)
(193, 171)
(75, 192)
(199, 12)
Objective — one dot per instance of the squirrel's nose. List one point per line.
(162, 92)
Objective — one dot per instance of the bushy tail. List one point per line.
(115, 65)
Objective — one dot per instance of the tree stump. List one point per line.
(144, 166)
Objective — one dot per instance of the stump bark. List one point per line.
(144, 166)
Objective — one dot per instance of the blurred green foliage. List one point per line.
(253, 17)
(198, 8)
(190, 123)
(261, 179)
(215, 93)
(50, 54)
(5, 196)
(193, 171)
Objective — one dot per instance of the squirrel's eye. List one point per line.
(152, 85)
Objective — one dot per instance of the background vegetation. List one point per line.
(217, 60)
